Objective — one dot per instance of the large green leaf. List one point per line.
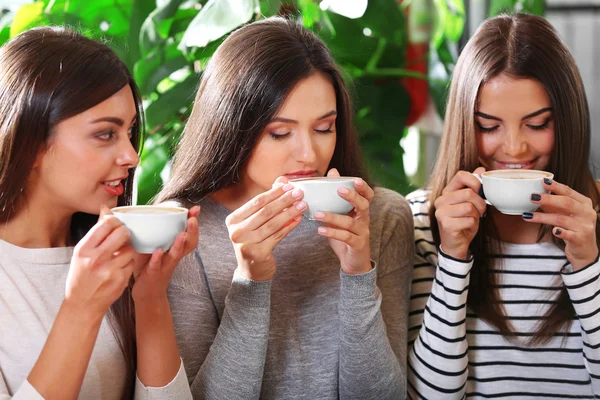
(155, 28)
(501, 6)
(450, 21)
(311, 12)
(153, 161)
(103, 17)
(381, 126)
(151, 70)
(169, 104)
(385, 19)
(216, 19)
(537, 7)
(6, 18)
(269, 7)
(140, 10)
(349, 45)
(27, 16)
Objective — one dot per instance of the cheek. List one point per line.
(266, 160)
(545, 144)
(486, 145)
(326, 147)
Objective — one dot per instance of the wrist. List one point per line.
(79, 316)
(255, 274)
(459, 254)
(363, 269)
(152, 306)
(577, 265)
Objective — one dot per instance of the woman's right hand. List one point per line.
(259, 225)
(101, 266)
(458, 211)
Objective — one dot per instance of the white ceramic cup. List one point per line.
(320, 194)
(152, 227)
(510, 190)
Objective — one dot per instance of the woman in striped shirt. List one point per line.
(507, 306)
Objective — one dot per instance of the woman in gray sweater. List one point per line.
(272, 305)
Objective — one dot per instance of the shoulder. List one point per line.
(391, 225)
(390, 208)
(419, 204)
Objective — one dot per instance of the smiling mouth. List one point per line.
(523, 165)
(112, 184)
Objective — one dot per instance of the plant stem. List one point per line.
(374, 60)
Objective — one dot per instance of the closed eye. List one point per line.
(487, 129)
(540, 127)
(279, 136)
(328, 130)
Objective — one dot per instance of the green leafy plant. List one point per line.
(167, 44)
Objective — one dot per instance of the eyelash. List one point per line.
(534, 127)
(540, 127)
(281, 137)
(111, 134)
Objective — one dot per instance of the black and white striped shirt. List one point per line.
(453, 354)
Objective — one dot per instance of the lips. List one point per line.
(301, 174)
(114, 187)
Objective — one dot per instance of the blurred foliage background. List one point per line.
(396, 54)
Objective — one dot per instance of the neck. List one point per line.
(513, 229)
(34, 226)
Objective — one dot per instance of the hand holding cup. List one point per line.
(458, 211)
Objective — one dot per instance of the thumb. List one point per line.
(333, 172)
(479, 170)
(280, 181)
(104, 211)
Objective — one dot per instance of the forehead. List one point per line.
(503, 95)
(120, 105)
(312, 96)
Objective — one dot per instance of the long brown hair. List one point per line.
(519, 46)
(243, 87)
(49, 75)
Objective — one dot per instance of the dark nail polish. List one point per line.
(527, 215)
(548, 181)
(480, 192)
(558, 232)
(484, 215)
(536, 197)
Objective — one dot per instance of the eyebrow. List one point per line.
(533, 114)
(293, 121)
(114, 120)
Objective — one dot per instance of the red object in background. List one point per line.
(419, 32)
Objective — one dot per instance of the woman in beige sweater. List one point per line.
(70, 125)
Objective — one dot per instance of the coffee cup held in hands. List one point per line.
(320, 194)
(510, 190)
(152, 227)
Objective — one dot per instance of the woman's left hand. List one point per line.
(153, 272)
(348, 235)
(573, 219)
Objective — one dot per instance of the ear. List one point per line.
(40, 156)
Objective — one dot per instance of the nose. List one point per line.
(128, 157)
(305, 151)
(514, 142)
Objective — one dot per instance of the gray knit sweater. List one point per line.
(312, 332)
